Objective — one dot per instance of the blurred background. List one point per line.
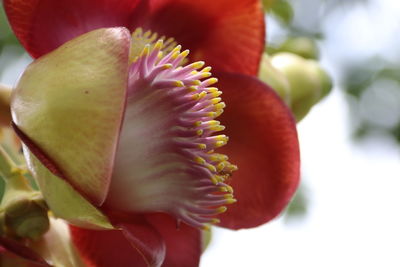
(346, 211)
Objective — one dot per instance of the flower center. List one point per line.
(165, 160)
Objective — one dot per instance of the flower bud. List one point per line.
(26, 217)
(302, 46)
(308, 82)
(274, 78)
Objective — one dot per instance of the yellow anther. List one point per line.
(216, 94)
(159, 44)
(212, 114)
(212, 122)
(178, 83)
(202, 94)
(206, 227)
(166, 66)
(175, 54)
(215, 221)
(211, 81)
(216, 100)
(202, 146)
(221, 209)
(210, 167)
(195, 96)
(205, 74)
(212, 89)
(145, 51)
(229, 188)
(197, 64)
(221, 137)
(228, 196)
(217, 128)
(214, 180)
(219, 144)
(176, 49)
(192, 88)
(206, 69)
(160, 55)
(195, 82)
(218, 112)
(197, 123)
(147, 34)
(185, 53)
(220, 166)
(230, 201)
(194, 72)
(220, 105)
(200, 160)
(199, 132)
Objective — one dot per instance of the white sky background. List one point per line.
(353, 191)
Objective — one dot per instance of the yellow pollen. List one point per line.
(195, 96)
(221, 209)
(197, 123)
(215, 221)
(205, 74)
(202, 94)
(228, 196)
(210, 167)
(159, 44)
(197, 64)
(220, 166)
(167, 66)
(195, 82)
(220, 105)
(216, 100)
(175, 54)
(202, 146)
(206, 69)
(219, 144)
(214, 180)
(231, 201)
(199, 132)
(217, 128)
(211, 81)
(185, 53)
(145, 51)
(194, 72)
(200, 160)
(192, 88)
(178, 84)
(212, 114)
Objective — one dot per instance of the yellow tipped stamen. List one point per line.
(197, 123)
(195, 82)
(167, 66)
(221, 105)
(202, 94)
(214, 180)
(217, 128)
(212, 114)
(200, 160)
(206, 69)
(219, 144)
(185, 53)
(159, 44)
(199, 132)
(210, 81)
(206, 227)
(202, 146)
(216, 100)
(210, 167)
(221, 209)
(197, 65)
(220, 166)
(231, 201)
(195, 96)
(192, 88)
(178, 84)
(215, 221)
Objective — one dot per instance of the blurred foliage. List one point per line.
(298, 207)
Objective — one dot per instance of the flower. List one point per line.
(69, 107)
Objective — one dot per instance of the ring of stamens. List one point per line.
(196, 174)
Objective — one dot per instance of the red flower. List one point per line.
(229, 35)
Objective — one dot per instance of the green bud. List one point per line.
(308, 82)
(27, 217)
(302, 46)
(274, 78)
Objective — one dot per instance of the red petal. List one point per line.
(43, 25)
(183, 242)
(228, 35)
(136, 244)
(12, 248)
(263, 143)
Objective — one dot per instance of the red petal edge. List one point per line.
(228, 35)
(263, 143)
(43, 25)
(136, 244)
(13, 247)
(183, 242)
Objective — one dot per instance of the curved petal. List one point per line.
(43, 25)
(136, 244)
(263, 144)
(24, 254)
(228, 35)
(182, 241)
(70, 103)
